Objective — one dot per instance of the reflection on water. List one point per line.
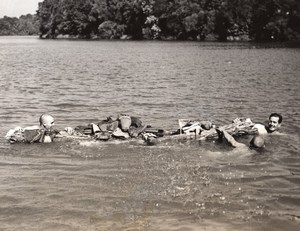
(176, 185)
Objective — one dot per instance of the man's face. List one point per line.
(274, 124)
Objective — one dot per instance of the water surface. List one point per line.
(176, 185)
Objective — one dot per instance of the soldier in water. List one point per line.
(257, 142)
(272, 127)
(34, 134)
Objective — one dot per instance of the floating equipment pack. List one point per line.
(33, 135)
(118, 133)
(156, 131)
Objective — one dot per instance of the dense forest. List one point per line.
(25, 25)
(258, 20)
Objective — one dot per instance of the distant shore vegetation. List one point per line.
(220, 20)
(24, 25)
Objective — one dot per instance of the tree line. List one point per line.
(24, 25)
(258, 20)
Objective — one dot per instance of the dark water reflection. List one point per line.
(185, 185)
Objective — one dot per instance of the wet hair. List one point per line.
(257, 142)
(276, 115)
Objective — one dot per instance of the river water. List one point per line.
(175, 185)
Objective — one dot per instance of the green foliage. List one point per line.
(25, 25)
(259, 20)
(110, 30)
(275, 20)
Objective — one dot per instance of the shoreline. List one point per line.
(253, 44)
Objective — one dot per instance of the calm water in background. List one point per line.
(176, 185)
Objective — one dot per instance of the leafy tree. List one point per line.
(25, 25)
(275, 20)
(175, 19)
(28, 25)
(8, 26)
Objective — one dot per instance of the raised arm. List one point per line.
(228, 138)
